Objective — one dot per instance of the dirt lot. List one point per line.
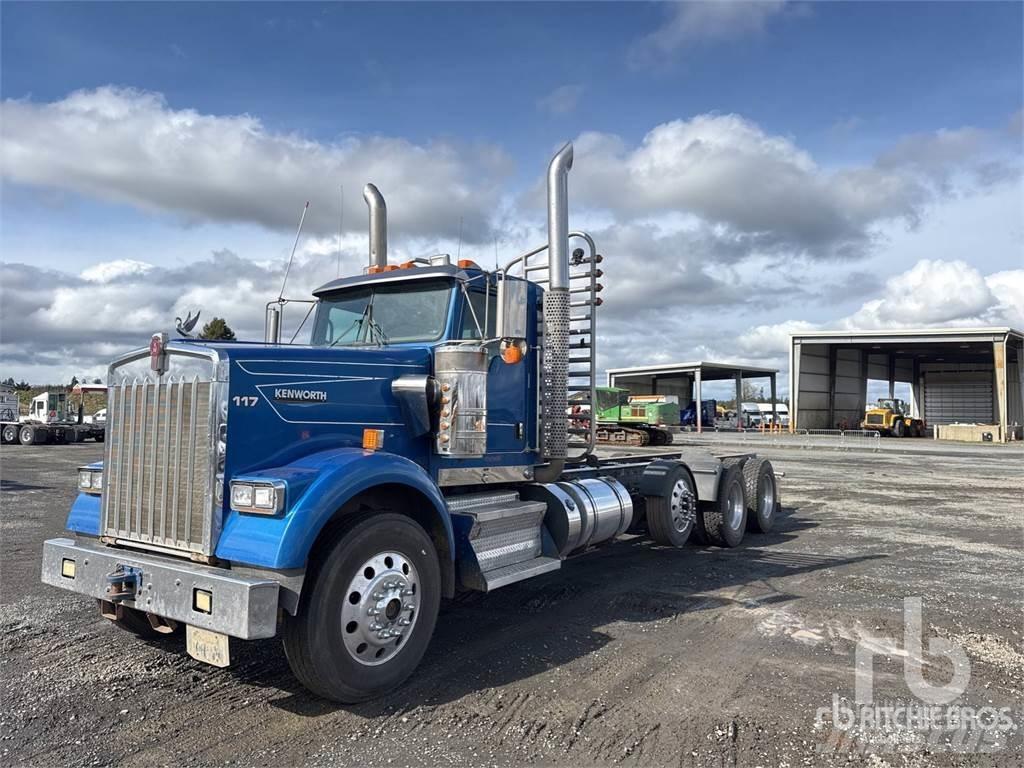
(631, 654)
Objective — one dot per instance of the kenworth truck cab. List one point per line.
(420, 445)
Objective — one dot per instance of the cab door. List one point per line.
(506, 384)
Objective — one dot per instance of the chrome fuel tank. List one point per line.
(582, 513)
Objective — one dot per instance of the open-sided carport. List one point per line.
(685, 379)
(966, 375)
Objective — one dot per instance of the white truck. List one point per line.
(48, 420)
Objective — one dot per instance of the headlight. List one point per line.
(241, 495)
(90, 480)
(259, 497)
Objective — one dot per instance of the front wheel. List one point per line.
(364, 623)
(899, 429)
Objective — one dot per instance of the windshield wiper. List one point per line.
(357, 323)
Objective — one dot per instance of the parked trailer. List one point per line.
(48, 421)
(332, 493)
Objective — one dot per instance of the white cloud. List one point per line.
(759, 187)
(562, 100)
(932, 293)
(703, 21)
(130, 146)
(108, 271)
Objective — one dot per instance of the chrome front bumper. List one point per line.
(241, 607)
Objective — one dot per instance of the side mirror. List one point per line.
(512, 302)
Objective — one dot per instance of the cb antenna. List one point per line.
(295, 245)
(341, 226)
(458, 252)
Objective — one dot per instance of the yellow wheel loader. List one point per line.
(892, 417)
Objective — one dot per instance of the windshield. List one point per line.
(390, 313)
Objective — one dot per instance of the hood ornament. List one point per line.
(184, 327)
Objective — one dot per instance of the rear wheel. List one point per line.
(762, 494)
(27, 435)
(10, 434)
(670, 516)
(725, 519)
(366, 620)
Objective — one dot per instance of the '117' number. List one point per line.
(246, 400)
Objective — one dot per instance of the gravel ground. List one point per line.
(631, 654)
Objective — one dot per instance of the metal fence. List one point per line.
(861, 439)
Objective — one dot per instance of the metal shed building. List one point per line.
(685, 379)
(965, 375)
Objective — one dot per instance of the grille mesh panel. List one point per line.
(157, 470)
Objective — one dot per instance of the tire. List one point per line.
(670, 517)
(27, 435)
(100, 436)
(725, 519)
(899, 429)
(331, 644)
(10, 434)
(915, 430)
(762, 489)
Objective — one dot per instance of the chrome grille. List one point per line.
(158, 472)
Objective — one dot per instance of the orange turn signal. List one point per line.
(390, 267)
(468, 264)
(374, 270)
(373, 439)
(512, 354)
(408, 264)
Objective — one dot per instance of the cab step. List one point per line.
(500, 539)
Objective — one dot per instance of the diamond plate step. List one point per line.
(510, 574)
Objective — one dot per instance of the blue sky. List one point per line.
(908, 113)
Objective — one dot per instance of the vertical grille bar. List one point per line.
(166, 462)
(139, 457)
(177, 464)
(155, 429)
(194, 401)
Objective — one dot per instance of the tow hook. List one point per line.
(123, 582)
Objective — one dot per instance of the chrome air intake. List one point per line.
(378, 225)
(461, 374)
(554, 374)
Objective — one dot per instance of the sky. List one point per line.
(747, 169)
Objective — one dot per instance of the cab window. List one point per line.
(483, 309)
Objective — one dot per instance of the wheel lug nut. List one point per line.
(404, 622)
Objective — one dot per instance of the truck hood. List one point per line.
(287, 401)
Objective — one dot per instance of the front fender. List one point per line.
(318, 485)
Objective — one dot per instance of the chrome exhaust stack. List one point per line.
(378, 225)
(555, 370)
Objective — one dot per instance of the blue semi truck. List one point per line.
(332, 493)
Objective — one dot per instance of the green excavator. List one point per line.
(637, 420)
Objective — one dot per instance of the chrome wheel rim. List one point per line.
(680, 506)
(735, 503)
(768, 497)
(380, 609)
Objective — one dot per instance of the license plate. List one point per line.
(206, 646)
